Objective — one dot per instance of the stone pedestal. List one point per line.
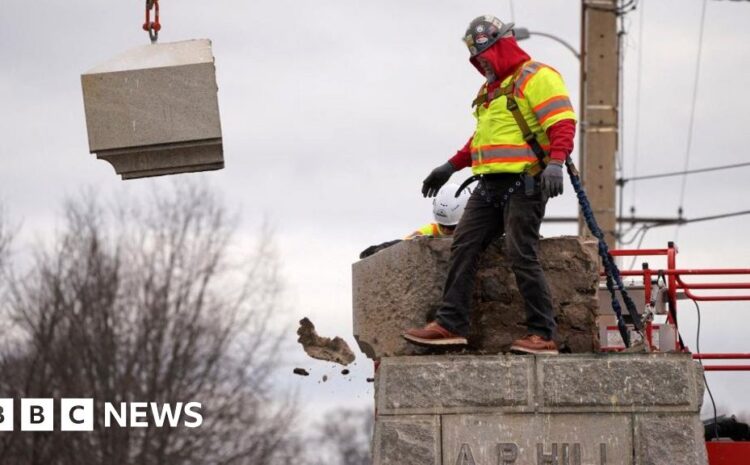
(616, 409)
(401, 287)
(153, 110)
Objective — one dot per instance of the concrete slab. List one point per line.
(619, 383)
(153, 110)
(664, 439)
(454, 384)
(412, 440)
(561, 439)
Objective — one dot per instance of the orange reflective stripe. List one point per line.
(553, 113)
(553, 102)
(551, 107)
(435, 230)
(526, 76)
(501, 153)
(529, 68)
(486, 161)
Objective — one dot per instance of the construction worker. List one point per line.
(509, 198)
(447, 209)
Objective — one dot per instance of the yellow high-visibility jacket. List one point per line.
(498, 145)
(431, 229)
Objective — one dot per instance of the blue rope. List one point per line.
(613, 277)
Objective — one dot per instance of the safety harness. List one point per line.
(611, 271)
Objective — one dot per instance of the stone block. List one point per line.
(153, 110)
(619, 383)
(560, 439)
(453, 384)
(401, 287)
(668, 439)
(412, 440)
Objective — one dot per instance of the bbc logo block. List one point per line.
(39, 414)
(77, 414)
(6, 414)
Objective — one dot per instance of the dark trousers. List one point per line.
(482, 222)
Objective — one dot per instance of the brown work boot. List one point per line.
(533, 344)
(434, 335)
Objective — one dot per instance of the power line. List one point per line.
(512, 11)
(636, 142)
(692, 107)
(623, 181)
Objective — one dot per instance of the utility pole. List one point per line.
(599, 111)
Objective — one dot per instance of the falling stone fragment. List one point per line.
(344, 372)
(153, 110)
(301, 372)
(323, 348)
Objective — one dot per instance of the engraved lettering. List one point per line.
(464, 456)
(507, 453)
(546, 459)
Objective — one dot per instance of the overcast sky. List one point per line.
(334, 111)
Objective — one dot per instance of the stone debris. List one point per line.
(323, 348)
(325, 378)
(344, 372)
(370, 380)
(301, 372)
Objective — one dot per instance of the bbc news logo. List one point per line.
(78, 415)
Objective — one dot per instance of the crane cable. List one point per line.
(691, 125)
(152, 27)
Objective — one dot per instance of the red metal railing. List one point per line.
(673, 278)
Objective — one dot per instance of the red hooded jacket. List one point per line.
(506, 56)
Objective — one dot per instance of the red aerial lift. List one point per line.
(670, 285)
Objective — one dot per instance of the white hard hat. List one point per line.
(446, 207)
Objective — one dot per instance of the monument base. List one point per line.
(613, 409)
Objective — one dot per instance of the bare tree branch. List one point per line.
(141, 302)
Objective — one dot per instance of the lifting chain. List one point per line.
(152, 27)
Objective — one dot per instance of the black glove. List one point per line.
(552, 180)
(373, 249)
(439, 176)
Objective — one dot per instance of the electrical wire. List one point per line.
(705, 380)
(643, 231)
(692, 108)
(512, 11)
(683, 173)
(636, 142)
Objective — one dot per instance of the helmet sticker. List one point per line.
(480, 28)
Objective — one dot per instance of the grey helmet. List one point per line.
(485, 31)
